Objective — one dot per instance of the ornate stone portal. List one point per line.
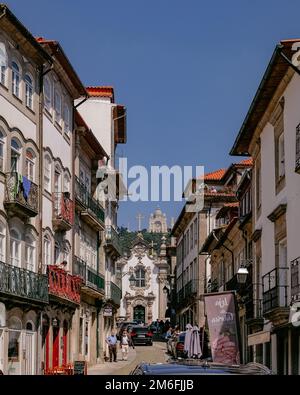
(144, 299)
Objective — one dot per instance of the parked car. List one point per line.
(125, 325)
(141, 335)
(197, 367)
(175, 345)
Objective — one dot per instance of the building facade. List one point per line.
(158, 222)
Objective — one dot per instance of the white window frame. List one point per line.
(2, 150)
(48, 94)
(67, 119)
(67, 183)
(15, 248)
(57, 256)
(30, 253)
(3, 64)
(29, 90)
(47, 250)
(2, 243)
(16, 78)
(17, 152)
(57, 105)
(30, 165)
(47, 172)
(281, 156)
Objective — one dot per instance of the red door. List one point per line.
(65, 344)
(55, 353)
(46, 345)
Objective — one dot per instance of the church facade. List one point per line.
(144, 277)
(158, 222)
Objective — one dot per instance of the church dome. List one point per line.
(158, 212)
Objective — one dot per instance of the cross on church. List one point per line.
(152, 245)
(139, 217)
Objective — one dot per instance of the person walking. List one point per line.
(125, 342)
(112, 346)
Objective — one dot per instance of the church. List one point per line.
(144, 276)
(158, 222)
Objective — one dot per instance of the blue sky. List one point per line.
(186, 70)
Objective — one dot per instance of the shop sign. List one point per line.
(107, 311)
(2, 315)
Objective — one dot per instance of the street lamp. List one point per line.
(242, 275)
(165, 290)
(132, 280)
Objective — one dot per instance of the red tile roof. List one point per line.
(246, 162)
(215, 175)
(101, 91)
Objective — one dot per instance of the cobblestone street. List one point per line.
(150, 354)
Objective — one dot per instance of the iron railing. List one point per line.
(63, 284)
(112, 239)
(63, 208)
(275, 289)
(187, 292)
(89, 276)
(115, 293)
(85, 198)
(295, 280)
(21, 191)
(23, 283)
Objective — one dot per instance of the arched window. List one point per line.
(2, 150)
(47, 173)
(28, 91)
(140, 277)
(57, 179)
(15, 155)
(2, 242)
(67, 119)
(30, 326)
(30, 164)
(15, 248)
(47, 94)
(47, 251)
(16, 79)
(57, 105)
(30, 253)
(66, 254)
(3, 64)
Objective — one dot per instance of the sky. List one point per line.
(186, 71)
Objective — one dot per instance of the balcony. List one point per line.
(114, 293)
(275, 304)
(112, 241)
(93, 282)
(21, 196)
(63, 285)
(23, 284)
(90, 209)
(295, 280)
(187, 292)
(63, 211)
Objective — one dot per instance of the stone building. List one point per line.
(158, 222)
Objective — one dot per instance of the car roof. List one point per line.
(200, 367)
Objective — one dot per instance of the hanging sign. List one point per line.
(2, 315)
(107, 311)
(223, 327)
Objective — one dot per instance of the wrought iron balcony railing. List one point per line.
(21, 195)
(89, 276)
(115, 293)
(112, 240)
(295, 280)
(275, 289)
(90, 204)
(63, 284)
(63, 211)
(187, 292)
(23, 283)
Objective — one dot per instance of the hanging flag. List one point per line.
(223, 327)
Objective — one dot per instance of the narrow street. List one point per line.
(150, 354)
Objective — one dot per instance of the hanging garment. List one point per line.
(196, 350)
(187, 340)
(26, 187)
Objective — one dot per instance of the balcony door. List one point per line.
(57, 190)
(14, 346)
(55, 346)
(45, 341)
(15, 248)
(85, 177)
(15, 155)
(29, 350)
(1, 349)
(65, 343)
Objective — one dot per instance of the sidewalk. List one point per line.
(107, 368)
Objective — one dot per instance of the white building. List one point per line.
(144, 299)
(271, 135)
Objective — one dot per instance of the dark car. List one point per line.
(141, 335)
(125, 325)
(196, 367)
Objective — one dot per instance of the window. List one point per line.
(57, 106)
(57, 253)
(3, 64)
(66, 183)
(66, 254)
(2, 142)
(195, 232)
(188, 242)
(140, 278)
(47, 94)
(15, 79)
(192, 236)
(30, 253)
(15, 248)
(258, 186)
(2, 243)
(30, 158)
(47, 173)
(47, 251)
(28, 91)
(15, 155)
(281, 156)
(67, 120)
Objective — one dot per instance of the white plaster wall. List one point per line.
(154, 287)
(17, 119)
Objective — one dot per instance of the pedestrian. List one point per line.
(125, 343)
(112, 346)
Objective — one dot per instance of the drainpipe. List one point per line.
(228, 249)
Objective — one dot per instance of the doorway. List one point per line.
(55, 347)
(139, 313)
(45, 341)
(65, 343)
